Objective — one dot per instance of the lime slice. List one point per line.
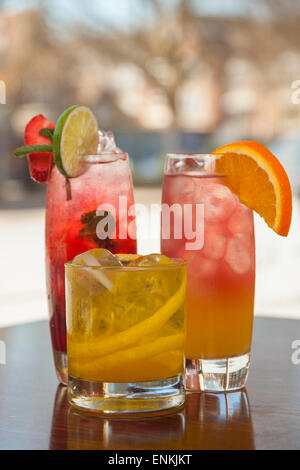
(75, 135)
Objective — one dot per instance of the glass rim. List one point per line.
(205, 163)
(191, 155)
(179, 263)
(105, 157)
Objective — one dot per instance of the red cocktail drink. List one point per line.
(89, 201)
(73, 222)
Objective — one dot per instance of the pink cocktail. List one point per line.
(218, 243)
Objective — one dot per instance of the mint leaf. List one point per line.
(26, 149)
(47, 132)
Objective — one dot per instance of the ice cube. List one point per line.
(90, 291)
(207, 268)
(241, 220)
(141, 292)
(127, 258)
(94, 258)
(186, 165)
(246, 238)
(151, 260)
(214, 242)
(219, 202)
(181, 190)
(238, 255)
(107, 143)
(201, 268)
(97, 257)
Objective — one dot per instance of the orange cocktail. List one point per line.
(218, 245)
(210, 199)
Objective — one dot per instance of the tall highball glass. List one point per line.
(72, 227)
(204, 223)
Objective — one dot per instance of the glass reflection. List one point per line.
(90, 432)
(209, 421)
(58, 436)
(218, 421)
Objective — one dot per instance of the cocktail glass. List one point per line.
(73, 225)
(126, 332)
(214, 233)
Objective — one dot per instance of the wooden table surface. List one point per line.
(34, 413)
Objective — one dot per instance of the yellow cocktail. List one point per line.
(125, 331)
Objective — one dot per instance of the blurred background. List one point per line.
(165, 76)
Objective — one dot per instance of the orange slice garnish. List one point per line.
(256, 176)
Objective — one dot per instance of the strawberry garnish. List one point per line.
(40, 164)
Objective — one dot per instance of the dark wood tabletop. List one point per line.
(34, 412)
